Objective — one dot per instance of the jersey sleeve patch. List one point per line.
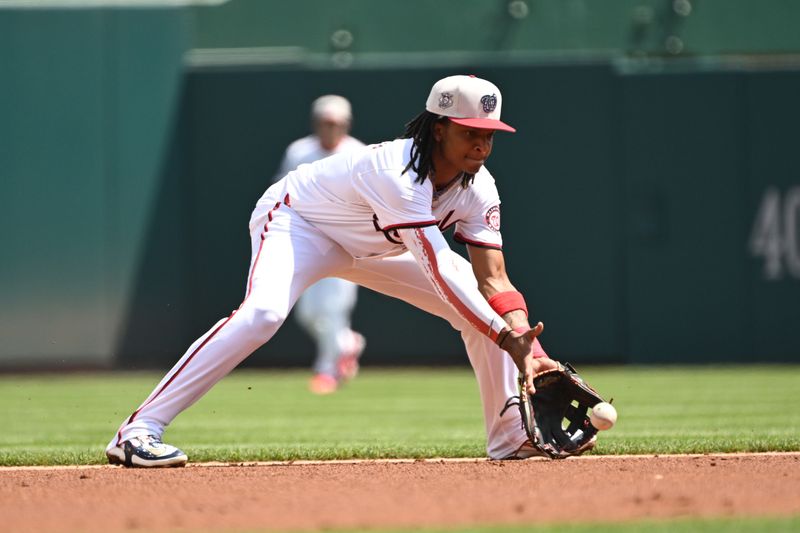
(493, 217)
(481, 225)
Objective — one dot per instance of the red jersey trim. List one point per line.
(411, 225)
(463, 240)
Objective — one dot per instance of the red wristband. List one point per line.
(537, 350)
(505, 302)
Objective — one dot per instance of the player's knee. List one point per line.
(265, 322)
(270, 318)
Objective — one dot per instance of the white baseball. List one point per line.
(603, 416)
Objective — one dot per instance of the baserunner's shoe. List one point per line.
(323, 384)
(146, 452)
(347, 366)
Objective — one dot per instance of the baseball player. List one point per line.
(375, 217)
(324, 309)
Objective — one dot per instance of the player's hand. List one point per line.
(519, 347)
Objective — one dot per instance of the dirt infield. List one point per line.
(372, 494)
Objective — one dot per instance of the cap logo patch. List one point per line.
(445, 100)
(493, 217)
(489, 103)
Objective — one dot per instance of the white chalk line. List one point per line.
(433, 460)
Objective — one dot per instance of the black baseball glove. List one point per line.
(556, 416)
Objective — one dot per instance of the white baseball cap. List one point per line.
(468, 101)
(332, 107)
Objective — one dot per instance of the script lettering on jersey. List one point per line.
(443, 225)
(394, 237)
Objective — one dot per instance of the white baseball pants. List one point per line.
(289, 255)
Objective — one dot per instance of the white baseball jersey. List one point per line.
(360, 199)
(310, 225)
(308, 149)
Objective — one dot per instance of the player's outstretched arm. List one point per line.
(457, 287)
(488, 265)
(454, 283)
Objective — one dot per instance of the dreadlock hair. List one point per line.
(421, 130)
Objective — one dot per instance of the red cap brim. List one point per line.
(483, 123)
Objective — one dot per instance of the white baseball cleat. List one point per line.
(526, 451)
(147, 452)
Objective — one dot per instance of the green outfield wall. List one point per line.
(631, 205)
(651, 198)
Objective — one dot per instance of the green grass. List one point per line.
(789, 524)
(269, 415)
